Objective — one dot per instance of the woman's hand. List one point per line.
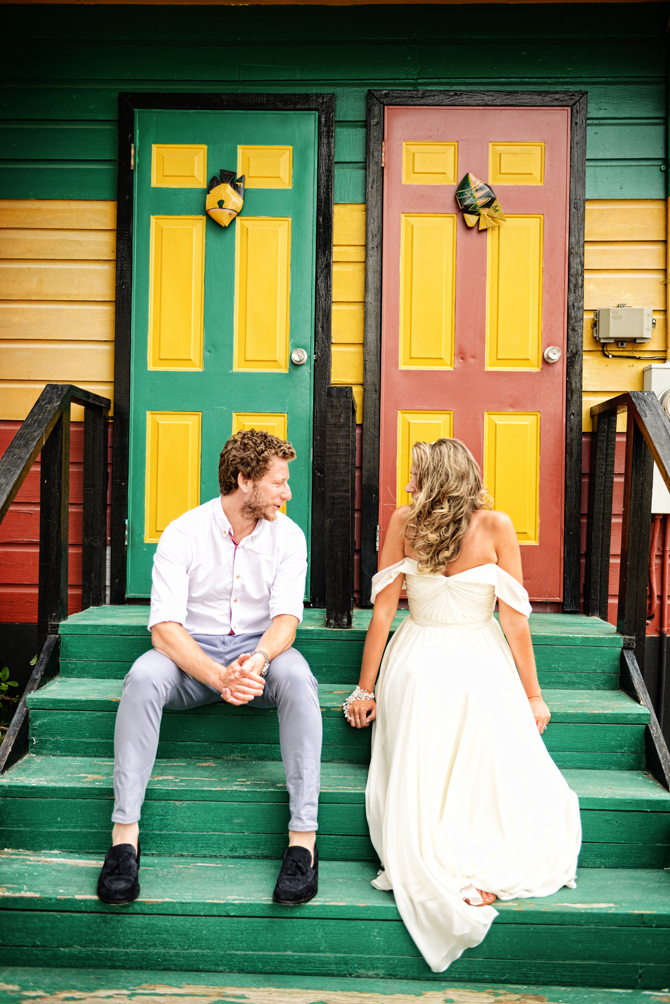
(541, 712)
(362, 713)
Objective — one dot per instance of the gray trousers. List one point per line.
(156, 682)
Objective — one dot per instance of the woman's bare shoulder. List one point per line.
(494, 522)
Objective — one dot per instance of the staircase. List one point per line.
(214, 827)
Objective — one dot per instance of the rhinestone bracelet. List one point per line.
(358, 695)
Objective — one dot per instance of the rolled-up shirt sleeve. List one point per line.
(288, 589)
(170, 581)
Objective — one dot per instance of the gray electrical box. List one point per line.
(623, 324)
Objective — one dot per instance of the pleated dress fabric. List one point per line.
(462, 793)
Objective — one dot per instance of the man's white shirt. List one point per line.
(203, 581)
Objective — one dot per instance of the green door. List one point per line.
(217, 311)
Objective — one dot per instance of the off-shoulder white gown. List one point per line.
(462, 794)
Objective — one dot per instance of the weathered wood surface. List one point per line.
(53, 986)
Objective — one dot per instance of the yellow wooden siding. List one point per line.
(348, 296)
(57, 274)
(625, 262)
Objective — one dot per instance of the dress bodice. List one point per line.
(466, 599)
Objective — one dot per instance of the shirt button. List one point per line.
(237, 576)
(234, 601)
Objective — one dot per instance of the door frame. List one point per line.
(377, 101)
(129, 103)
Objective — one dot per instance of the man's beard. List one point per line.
(258, 506)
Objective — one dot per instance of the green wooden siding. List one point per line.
(63, 66)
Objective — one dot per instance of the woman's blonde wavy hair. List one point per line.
(450, 491)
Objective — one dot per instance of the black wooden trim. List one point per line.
(656, 749)
(374, 207)
(377, 101)
(340, 506)
(94, 528)
(129, 103)
(15, 743)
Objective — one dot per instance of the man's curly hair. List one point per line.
(250, 453)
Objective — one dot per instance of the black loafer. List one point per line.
(298, 880)
(118, 883)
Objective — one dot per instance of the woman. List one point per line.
(464, 803)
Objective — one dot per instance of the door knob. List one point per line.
(299, 357)
(552, 354)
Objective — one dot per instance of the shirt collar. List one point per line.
(224, 523)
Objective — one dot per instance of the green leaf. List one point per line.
(33, 661)
(4, 673)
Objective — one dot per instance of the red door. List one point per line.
(468, 314)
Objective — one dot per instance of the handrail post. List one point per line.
(94, 530)
(599, 523)
(340, 506)
(635, 533)
(54, 529)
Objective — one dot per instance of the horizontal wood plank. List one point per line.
(63, 280)
(90, 245)
(35, 319)
(625, 219)
(347, 323)
(349, 224)
(57, 361)
(349, 281)
(624, 254)
(60, 214)
(347, 365)
(18, 397)
(639, 288)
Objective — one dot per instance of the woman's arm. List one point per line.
(363, 713)
(515, 624)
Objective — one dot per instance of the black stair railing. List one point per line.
(647, 443)
(46, 431)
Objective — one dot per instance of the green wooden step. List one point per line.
(588, 729)
(612, 930)
(571, 650)
(145, 986)
(224, 809)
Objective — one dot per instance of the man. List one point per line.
(226, 599)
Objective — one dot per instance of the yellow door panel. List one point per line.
(427, 291)
(275, 424)
(176, 292)
(173, 468)
(265, 166)
(427, 163)
(512, 469)
(514, 294)
(182, 166)
(418, 427)
(262, 282)
(516, 163)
